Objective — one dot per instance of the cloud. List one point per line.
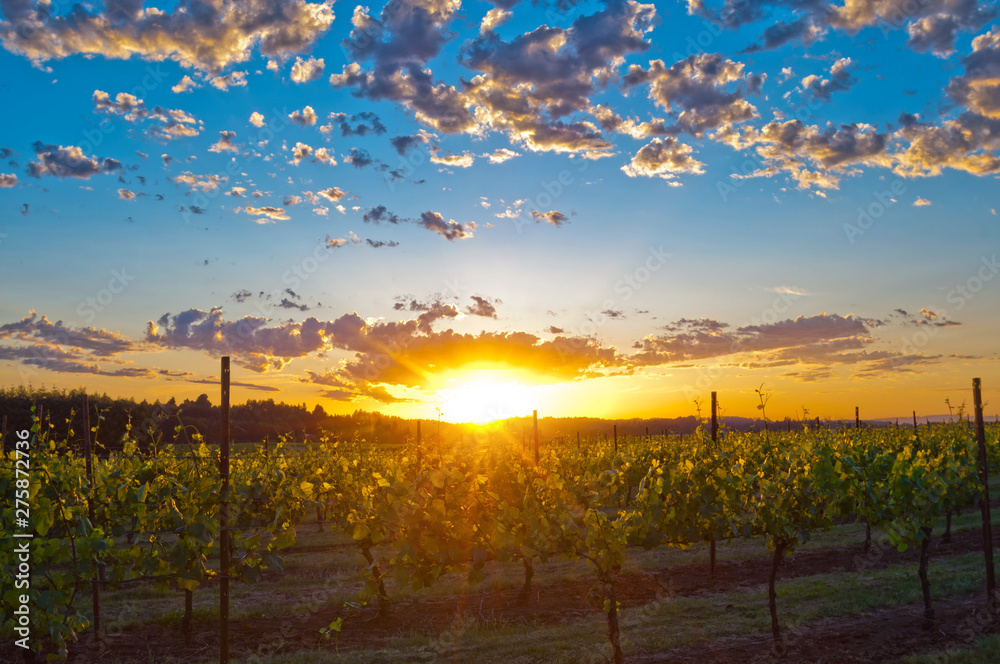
(304, 71)
(172, 123)
(449, 230)
(979, 88)
(494, 19)
(665, 158)
(253, 344)
(411, 354)
(812, 338)
(225, 143)
(208, 37)
(790, 290)
(358, 158)
(934, 33)
(234, 79)
(68, 161)
(530, 87)
(893, 14)
(402, 144)
(379, 214)
(267, 214)
(552, 217)
(966, 143)
(399, 44)
(464, 160)
(501, 155)
(302, 151)
(482, 306)
(611, 121)
(840, 80)
(304, 118)
(126, 195)
(702, 91)
(203, 182)
(795, 148)
(100, 343)
(256, 119)
(782, 32)
(186, 84)
(437, 105)
(7, 180)
(363, 123)
(332, 194)
(921, 202)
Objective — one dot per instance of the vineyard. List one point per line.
(621, 540)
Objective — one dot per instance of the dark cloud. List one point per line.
(380, 214)
(449, 230)
(363, 123)
(358, 158)
(482, 306)
(100, 343)
(702, 91)
(841, 79)
(60, 161)
(782, 32)
(378, 244)
(403, 144)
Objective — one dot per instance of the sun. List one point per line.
(485, 396)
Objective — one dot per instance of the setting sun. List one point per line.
(484, 396)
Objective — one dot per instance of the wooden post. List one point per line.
(984, 475)
(857, 418)
(616, 440)
(715, 439)
(577, 440)
(715, 417)
(419, 446)
(534, 417)
(95, 586)
(224, 521)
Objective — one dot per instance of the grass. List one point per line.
(983, 651)
(662, 625)
(325, 579)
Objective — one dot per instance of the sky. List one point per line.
(432, 208)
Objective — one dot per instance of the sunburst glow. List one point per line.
(484, 396)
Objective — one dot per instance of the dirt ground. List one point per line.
(881, 636)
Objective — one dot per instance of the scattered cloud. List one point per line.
(304, 71)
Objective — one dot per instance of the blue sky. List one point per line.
(612, 208)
